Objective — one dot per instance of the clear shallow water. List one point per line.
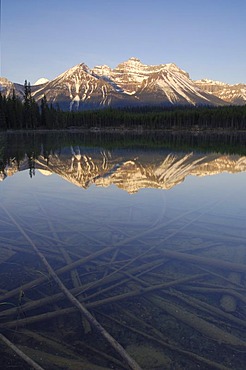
(140, 203)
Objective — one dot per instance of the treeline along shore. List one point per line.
(29, 115)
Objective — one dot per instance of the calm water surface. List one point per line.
(153, 208)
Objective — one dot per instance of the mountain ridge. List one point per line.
(234, 94)
(130, 83)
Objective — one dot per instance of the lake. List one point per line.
(147, 232)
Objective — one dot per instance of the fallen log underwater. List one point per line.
(115, 284)
(96, 325)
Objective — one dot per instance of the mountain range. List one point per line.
(131, 83)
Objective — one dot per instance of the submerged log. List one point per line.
(61, 270)
(227, 302)
(20, 353)
(215, 290)
(165, 344)
(207, 329)
(202, 306)
(220, 264)
(96, 325)
(67, 349)
(101, 302)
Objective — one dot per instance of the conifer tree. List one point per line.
(2, 112)
(27, 105)
(44, 112)
(31, 109)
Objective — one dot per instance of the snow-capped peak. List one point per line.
(79, 69)
(132, 63)
(133, 60)
(41, 81)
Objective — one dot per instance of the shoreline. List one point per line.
(97, 130)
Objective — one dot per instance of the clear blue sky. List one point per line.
(43, 38)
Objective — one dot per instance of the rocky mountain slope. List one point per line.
(131, 83)
(7, 87)
(233, 94)
(79, 88)
(158, 84)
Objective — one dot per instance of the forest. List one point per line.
(29, 115)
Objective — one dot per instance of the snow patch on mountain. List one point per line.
(41, 81)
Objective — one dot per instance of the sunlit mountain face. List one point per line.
(233, 94)
(130, 84)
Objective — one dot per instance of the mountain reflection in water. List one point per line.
(130, 169)
(161, 267)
